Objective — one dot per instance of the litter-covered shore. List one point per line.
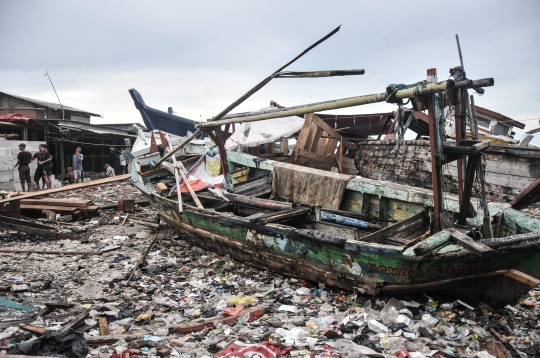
(185, 302)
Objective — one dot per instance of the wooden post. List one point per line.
(62, 158)
(467, 187)
(457, 124)
(488, 230)
(436, 169)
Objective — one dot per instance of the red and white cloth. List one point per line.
(239, 349)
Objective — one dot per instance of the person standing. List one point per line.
(38, 174)
(46, 165)
(123, 167)
(23, 161)
(77, 165)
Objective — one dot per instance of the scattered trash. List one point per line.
(183, 301)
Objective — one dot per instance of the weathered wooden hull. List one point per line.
(509, 169)
(368, 268)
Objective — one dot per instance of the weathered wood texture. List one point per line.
(509, 170)
(320, 146)
(468, 243)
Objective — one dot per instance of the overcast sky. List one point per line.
(199, 56)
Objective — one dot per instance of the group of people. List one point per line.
(43, 170)
(74, 174)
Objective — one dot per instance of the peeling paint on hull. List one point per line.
(368, 268)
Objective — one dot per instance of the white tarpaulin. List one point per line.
(252, 134)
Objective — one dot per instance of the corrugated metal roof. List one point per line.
(94, 129)
(50, 104)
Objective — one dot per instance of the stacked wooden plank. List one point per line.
(60, 206)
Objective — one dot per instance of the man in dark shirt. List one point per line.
(112, 158)
(38, 174)
(23, 161)
(46, 165)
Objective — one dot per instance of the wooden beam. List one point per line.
(35, 229)
(51, 201)
(34, 194)
(77, 320)
(259, 203)
(528, 196)
(468, 243)
(303, 136)
(283, 215)
(55, 208)
(436, 169)
(142, 222)
(411, 223)
(55, 252)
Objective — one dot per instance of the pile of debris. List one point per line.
(131, 287)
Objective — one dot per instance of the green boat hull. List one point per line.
(368, 268)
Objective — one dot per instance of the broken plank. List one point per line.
(110, 248)
(76, 321)
(115, 205)
(33, 194)
(113, 338)
(143, 222)
(197, 327)
(528, 196)
(468, 243)
(283, 215)
(62, 305)
(104, 326)
(54, 252)
(34, 329)
(35, 229)
(411, 223)
(52, 201)
(55, 208)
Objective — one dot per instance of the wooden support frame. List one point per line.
(436, 169)
(320, 146)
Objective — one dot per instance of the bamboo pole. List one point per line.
(190, 189)
(317, 74)
(459, 50)
(176, 169)
(333, 104)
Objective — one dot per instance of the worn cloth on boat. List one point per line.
(293, 183)
(253, 134)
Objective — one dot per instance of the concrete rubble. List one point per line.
(182, 301)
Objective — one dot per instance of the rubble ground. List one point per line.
(183, 301)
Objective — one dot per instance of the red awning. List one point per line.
(14, 117)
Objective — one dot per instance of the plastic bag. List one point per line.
(68, 343)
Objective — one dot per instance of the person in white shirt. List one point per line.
(123, 166)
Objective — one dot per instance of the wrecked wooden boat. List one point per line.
(399, 256)
(334, 227)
